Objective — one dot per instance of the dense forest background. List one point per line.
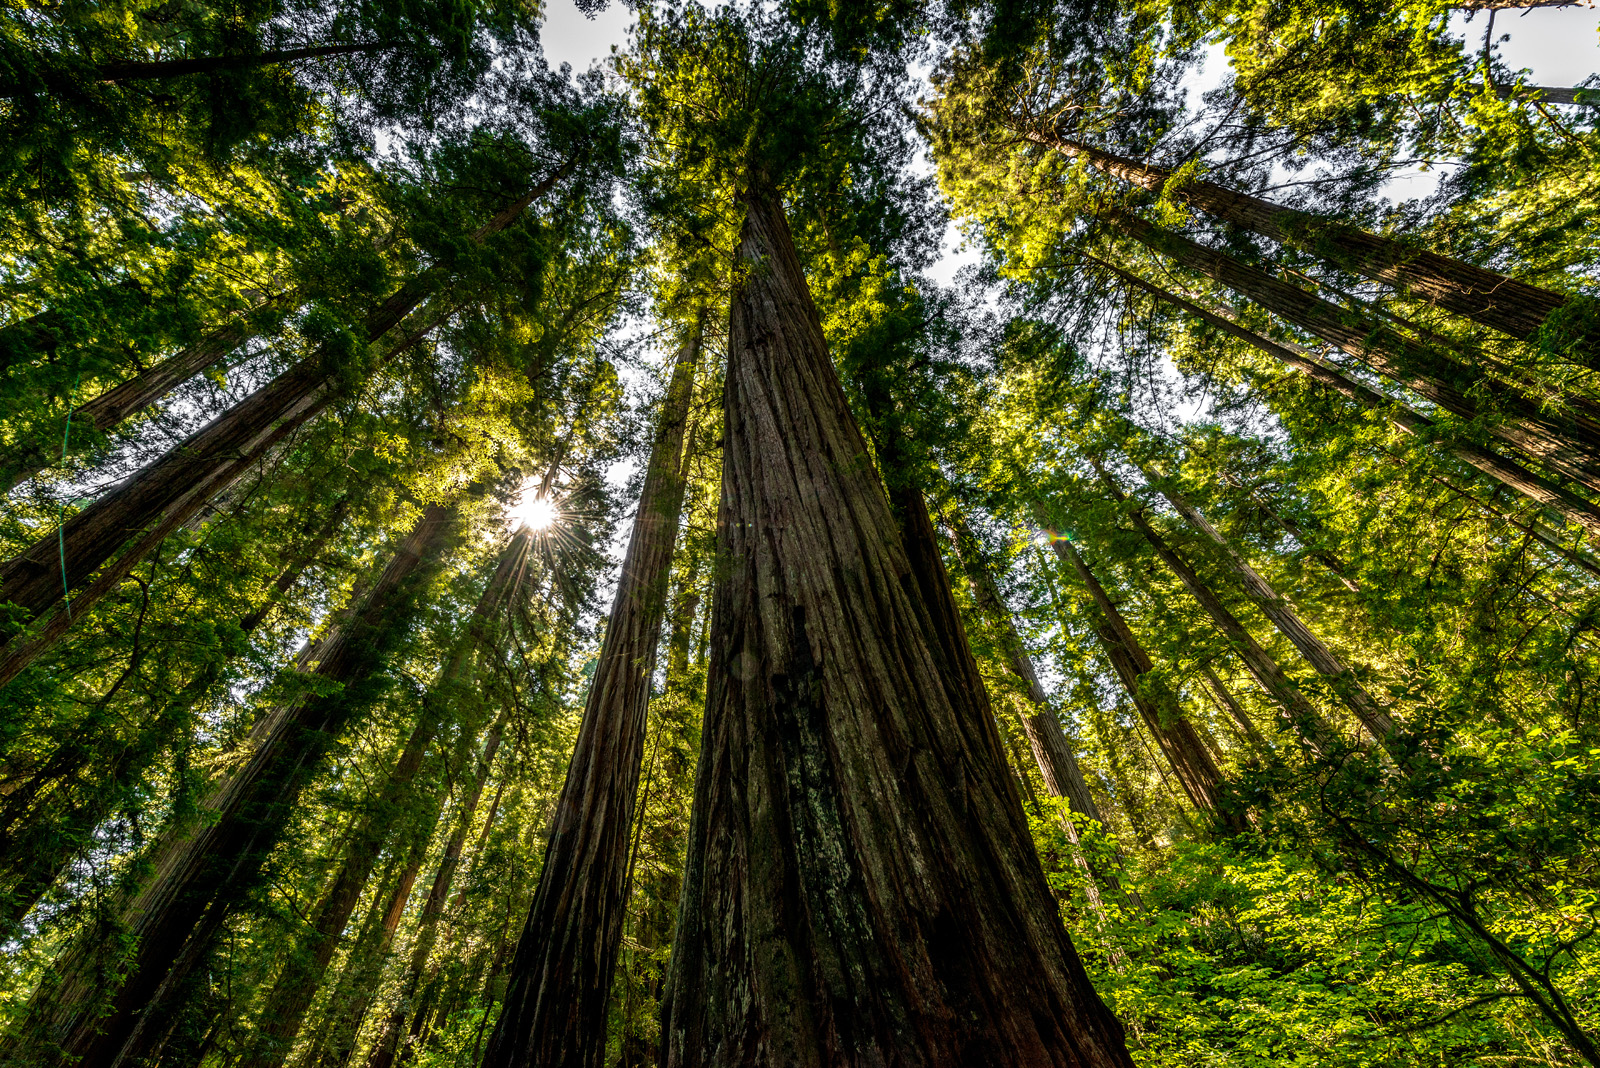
(510, 565)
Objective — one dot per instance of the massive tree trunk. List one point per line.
(1507, 472)
(860, 887)
(40, 835)
(386, 1047)
(1342, 680)
(66, 559)
(1568, 443)
(1493, 300)
(1158, 706)
(285, 1008)
(200, 882)
(554, 1012)
(26, 458)
(1307, 722)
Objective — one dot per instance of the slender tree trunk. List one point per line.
(1506, 472)
(1228, 703)
(201, 882)
(386, 1046)
(24, 459)
(41, 335)
(554, 1011)
(284, 1010)
(860, 887)
(1306, 720)
(65, 822)
(70, 557)
(1157, 705)
(1342, 680)
(1490, 299)
(146, 70)
(1568, 443)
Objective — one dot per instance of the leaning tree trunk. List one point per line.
(1567, 443)
(1493, 300)
(1158, 706)
(40, 836)
(284, 1009)
(1307, 722)
(1327, 664)
(199, 884)
(860, 887)
(1507, 472)
(68, 558)
(1226, 702)
(23, 459)
(386, 1047)
(554, 1012)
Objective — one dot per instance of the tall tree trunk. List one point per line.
(41, 335)
(1228, 703)
(200, 883)
(1340, 678)
(66, 821)
(1180, 744)
(1307, 722)
(146, 70)
(860, 886)
(554, 1012)
(68, 558)
(1568, 443)
(23, 459)
(1493, 300)
(386, 1047)
(285, 1008)
(1508, 473)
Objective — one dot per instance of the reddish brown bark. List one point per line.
(1568, 443)
(1507, 472)
(1180, 744)
(860, 886)
(554, 1012)
(1492, 299)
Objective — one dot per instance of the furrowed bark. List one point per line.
(386, 1048)
(554, 1012)
(1507, 472)
(1566, 443)
(1340, 678)
(1158, 706)
(860, 887)
(202, 879)
(69, 558)
(285, 1008)
(1306, 721)
(1493, 300)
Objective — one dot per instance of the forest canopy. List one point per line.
(519, 567)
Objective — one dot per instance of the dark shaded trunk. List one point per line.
(24, 459)
(70, 557)
(386, 1047)
(1548, 94)
(284, 1009)
(1568, 443)
(1180, 744)
(39, 837)
(145, 70)
(1491, 299)
(1306, 721)
(1508, 473)
(199, 883)
(1340, 678)
(860, 887)
(554, 1011)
